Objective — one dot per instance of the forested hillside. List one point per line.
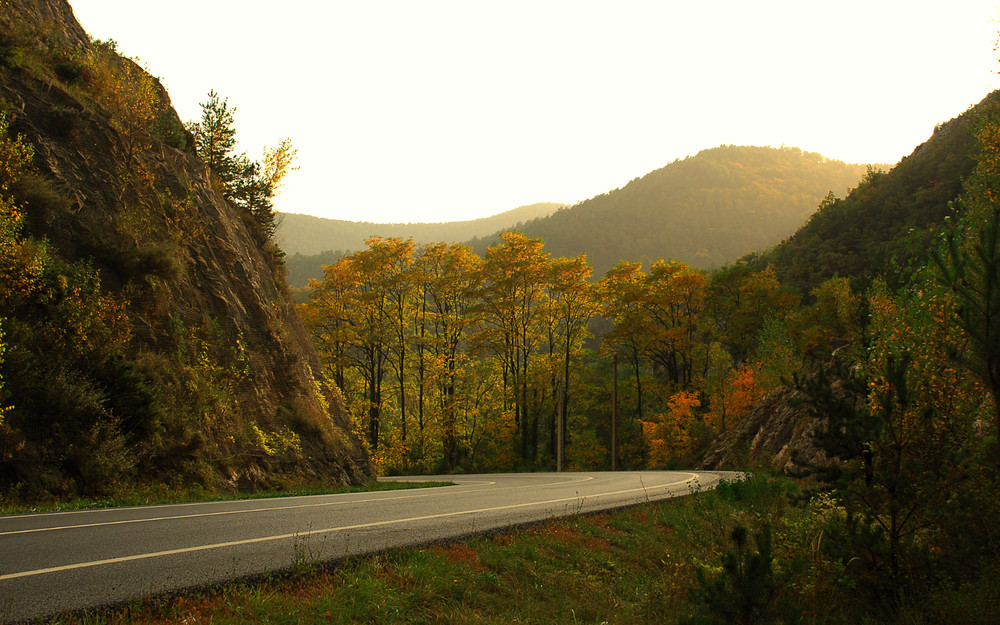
(888, 221)
(146, 336)
(706, 210)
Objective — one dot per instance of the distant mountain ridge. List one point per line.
(706, 210)
(309, 235)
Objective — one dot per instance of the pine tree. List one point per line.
(215, 141)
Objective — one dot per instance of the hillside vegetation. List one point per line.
(889, 219)
(147, 337)
(706, 210)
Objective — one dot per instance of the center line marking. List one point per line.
(330, 530)
(422, 494)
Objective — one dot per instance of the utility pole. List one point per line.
(614, 412)
(561, 428)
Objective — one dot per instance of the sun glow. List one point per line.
(450, 110)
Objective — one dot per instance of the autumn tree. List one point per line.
(378, 274)
(622, 292)
(328, 316)
(257, 183)
(513, 280)
(449, 277)
(669, 433)
(901, 419)
(741, 301)
(394, 258)
(674, 305)
(570, 306)
(734, 395)
(130, 94)
(833, 321)
(350, 318)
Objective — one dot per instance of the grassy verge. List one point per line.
(154, 495)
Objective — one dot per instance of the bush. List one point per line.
(745, 590)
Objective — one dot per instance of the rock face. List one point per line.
(204, 291)
(777, 434)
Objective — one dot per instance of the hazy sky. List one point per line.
(424, 110)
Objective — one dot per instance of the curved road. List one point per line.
(69, 560)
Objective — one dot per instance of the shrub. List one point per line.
(745, 590)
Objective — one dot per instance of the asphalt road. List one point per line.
(62, 561)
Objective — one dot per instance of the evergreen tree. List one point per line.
(215, 140)
(251, 185)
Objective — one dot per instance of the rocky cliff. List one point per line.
(776, 435)
(212, 377)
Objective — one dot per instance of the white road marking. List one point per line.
(330, 530)
(418, 495)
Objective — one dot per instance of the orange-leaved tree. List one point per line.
(670, 435)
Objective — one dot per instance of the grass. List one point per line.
(630, 566)
(159, 494)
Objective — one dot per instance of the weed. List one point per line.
(304, 560)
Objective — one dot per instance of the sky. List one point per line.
(432, 110)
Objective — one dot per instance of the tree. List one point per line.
(394, 259)
(513, 280)
(902, 422)
(669, 434)
(278, 162)
(570, 306)
(622, 292)
(745, 591)
(250, 185)
(130, 94)
(327, 314)
(832, 322)
(733, 395)
(215, 140)
(741, 301)
(449, 276)
(257, 183)
(674, 305)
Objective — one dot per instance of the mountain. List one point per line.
(311, 242)
(147, 337)
(890, 217)
(308, 235)
(706, 210)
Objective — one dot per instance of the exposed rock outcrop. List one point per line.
(777, 434)
(194, 272)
